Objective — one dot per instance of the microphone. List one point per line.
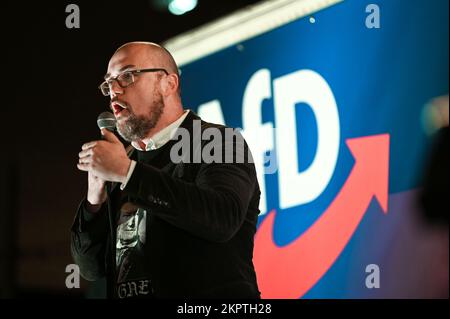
(106, 120)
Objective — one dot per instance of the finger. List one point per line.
(89, 145)
(83, 167)
(110, 136)
(85, 160)
(86, 153)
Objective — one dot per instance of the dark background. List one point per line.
(51, 102)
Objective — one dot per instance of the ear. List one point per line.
(169, 84)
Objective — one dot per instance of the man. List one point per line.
(155, 227)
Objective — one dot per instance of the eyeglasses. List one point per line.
(125, 79)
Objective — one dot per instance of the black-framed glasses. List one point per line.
(125, 79)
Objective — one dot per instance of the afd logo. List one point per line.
(290, 271)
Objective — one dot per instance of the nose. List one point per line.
(114, 89)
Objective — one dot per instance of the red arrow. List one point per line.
(290, 271)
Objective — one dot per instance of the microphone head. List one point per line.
(107, 120)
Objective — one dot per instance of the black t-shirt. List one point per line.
(132, 269)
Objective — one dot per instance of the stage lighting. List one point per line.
(179, 7)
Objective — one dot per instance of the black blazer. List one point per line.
(200, 232)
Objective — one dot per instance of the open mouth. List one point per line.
(118, 107)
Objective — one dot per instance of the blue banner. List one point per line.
(331, 105)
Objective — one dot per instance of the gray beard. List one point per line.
(137, 127)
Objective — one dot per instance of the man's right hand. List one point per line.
(96, 193)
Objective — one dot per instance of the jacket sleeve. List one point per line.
(212, 207)
(88, 241)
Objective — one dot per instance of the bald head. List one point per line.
(147, 54)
